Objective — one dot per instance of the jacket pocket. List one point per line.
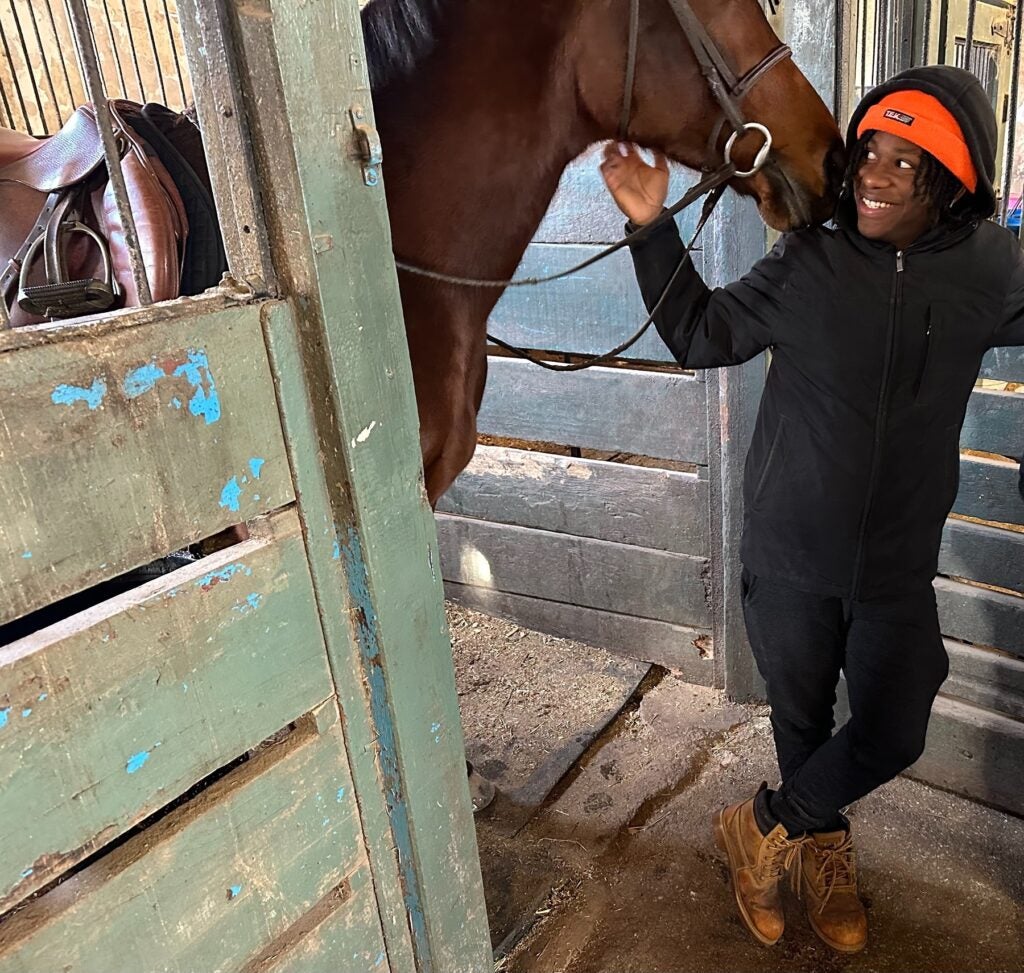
(772, 464)
(931, 339)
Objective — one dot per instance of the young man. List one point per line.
(877, 328)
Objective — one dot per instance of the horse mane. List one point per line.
(398, 34)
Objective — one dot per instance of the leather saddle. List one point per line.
(62, 246)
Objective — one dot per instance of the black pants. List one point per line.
(892, 654)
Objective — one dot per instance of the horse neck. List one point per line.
(475, 140)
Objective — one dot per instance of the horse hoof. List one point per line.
(481, 790)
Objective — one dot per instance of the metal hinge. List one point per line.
(368, 140)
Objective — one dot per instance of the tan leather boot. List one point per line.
(756, 863)
(828, 883)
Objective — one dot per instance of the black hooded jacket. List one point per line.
(854, 462)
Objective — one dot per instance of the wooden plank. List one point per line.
(687, 651)
(1004, 365)
(974, 752)
(583, 212)
(994, 423)
(216, 881)
(658, 414)
(988, 491)
(980, 553)
(981, 616)
(197, 667)
(348, 938)
(575, 570)
(126, 441)
(657, 509)
(586, 314)
(356, 364)
(986, 678)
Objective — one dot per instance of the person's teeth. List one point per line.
(874, 203)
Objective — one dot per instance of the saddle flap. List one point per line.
(53, 163)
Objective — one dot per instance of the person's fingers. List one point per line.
(661, 161)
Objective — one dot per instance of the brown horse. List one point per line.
(482, 105)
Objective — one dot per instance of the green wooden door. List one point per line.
(255, 762)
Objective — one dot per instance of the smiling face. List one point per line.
(889, 207)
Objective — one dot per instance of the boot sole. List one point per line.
(832, 944)
(723, 846)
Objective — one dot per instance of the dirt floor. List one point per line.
(597, 854)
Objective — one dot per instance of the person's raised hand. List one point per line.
(639, 189)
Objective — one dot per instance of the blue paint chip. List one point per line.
(27, 872)
(142, 379)
(70, 394)
(4, 715)
(325, 822)
(379, 959)
(205, 401)
(234, 892)
(136, 761)
(184, 687)
(176, 403)
(222, 574)
(336, 552)
(251, 603)
(27, 555)
(231, 494)
(256, 466)
(341, 794)
(434, 727)
(26, 712)
(42, 696)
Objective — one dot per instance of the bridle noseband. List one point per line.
(728, 89)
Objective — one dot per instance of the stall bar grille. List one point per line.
(33, 100)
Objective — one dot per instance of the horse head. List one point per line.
(670, 105)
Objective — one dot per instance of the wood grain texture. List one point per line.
(647, 413)
(586, 314)
(994, 423)
(974, 752)
(216, 880)
(981, 553)
(1004, 365)
(110, 714)
(984, 677)
(125, 443)
(989, 618)
(988, 491)
(638, 506)
(687, 651)
(575, 571)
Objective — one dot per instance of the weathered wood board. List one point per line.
(109, 715)
(988, 618)
(688, 651)
(125, 441)
(575, 570)
(659, 414)
(981, 553)
(988, 491)
(975, 752)
(1004, 365)
(985, 677)
(658, 509)
(221, 879)
(994, 423)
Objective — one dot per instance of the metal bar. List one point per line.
(17, 83)
(1011, 120)
(863, 50)
(88, 58)
(46, 66)
(972, 10)
(943, 30)
(63, 60)
(926, 32)
(174, 51)
(156, 53)
(113, 47)
(31, 73)
(135, 53)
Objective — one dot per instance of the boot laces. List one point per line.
(777, 856)
(837, 869)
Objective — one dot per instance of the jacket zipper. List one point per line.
(880, 421)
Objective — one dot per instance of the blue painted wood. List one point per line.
(986, 554)
(981, 616)
(994, 423)
(988, 491)
(1004, 365)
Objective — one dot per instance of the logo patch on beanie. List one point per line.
(898, 116)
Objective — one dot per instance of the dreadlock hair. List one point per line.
(933, 182)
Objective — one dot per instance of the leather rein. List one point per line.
(728, 89)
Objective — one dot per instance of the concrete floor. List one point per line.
(615, 870)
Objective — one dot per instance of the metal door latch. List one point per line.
(368, 140)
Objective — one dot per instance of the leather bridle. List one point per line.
(729, 90)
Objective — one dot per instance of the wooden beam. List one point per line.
(575, 571)
(994, 423)
(634, 505)
(988, 491)
(658, 414)
(981, 616)
(1004, 365)
(984, 677)
(980, 553)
